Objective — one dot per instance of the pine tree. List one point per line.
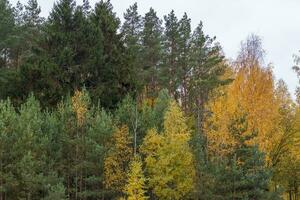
(32, 14)
(135, 187)
(184, 31)
(246, 176)
(152, 52)
(207, 68)
(170, 66)
(7, 24)
(131, 33)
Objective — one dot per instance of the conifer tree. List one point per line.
(184, 31)
(110, 68)
(152, 51)
(247, 176)
(131, 33)
(7, 24)
(207, 67)
(32, 14)
(170, 66)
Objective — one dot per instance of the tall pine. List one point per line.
(152, 52)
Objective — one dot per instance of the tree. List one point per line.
(286, 120)
(207, 68)
(184, 65)
(32, 14)
(251, 52)
(246, 175)
(170, 154)
(110, 68)
(24, 174)
(135, 187)
(8, 24)
(253, 91)
(32, 26)
(152, 50)
(170, 66)
(131, 33)
(117, 161)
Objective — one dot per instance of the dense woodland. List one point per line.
(92, 108)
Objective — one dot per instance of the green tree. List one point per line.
(207, 65)
(26, 171)
(7, 24)
(111, 71)
(246, 175)
(170, 66)
(152, 51)
(183, 59)
(131, 33)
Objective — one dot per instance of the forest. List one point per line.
(94, 107)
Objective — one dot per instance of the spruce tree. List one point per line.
(111, 71)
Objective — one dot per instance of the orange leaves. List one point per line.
(251, 92)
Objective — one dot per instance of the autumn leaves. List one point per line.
(166, 157)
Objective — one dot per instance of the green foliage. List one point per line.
(151, 51)
(245, 176)
(7, 25)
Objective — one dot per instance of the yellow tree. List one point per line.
(117, 160)
(286, 173)
(135, 187)
(169, 160)
(80, 103)
(253, 92)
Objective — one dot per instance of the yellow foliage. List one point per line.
(295, 144)
(135, 187)
(169, 161)
(174, 121)
(79, 105)
(117, 160)
(253, 92)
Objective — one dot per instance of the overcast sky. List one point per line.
(277, 22)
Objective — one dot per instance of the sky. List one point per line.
(231, 21)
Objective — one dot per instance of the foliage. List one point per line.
(170, 154)
(135, 187)
(117, 161)
(205, 127)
